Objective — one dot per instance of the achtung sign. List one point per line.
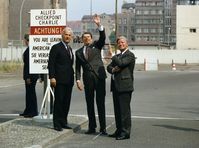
(46, 26)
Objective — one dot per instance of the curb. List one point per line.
(26, 133)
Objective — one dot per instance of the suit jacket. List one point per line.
(124, 78)
(60, 64)
(94, 63)
(26, 73)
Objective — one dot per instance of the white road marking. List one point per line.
(6, 86)
(112, 116)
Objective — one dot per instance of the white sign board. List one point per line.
(151, 64)
(46, 26)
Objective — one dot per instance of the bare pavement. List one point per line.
(147, 132)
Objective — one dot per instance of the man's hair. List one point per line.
(122, 37)
(26, 37)
(68, 29)
(87, 33)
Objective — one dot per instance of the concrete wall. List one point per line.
(11, 53)
(163, 56)
(166, 56)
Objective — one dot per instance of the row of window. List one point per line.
(155, 38)
(150, 3)
(148, 21)
(147, 12)
(146, 30)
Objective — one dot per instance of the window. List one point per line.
(192, 30)
(125, 29)
(120, 21)
(125, 21)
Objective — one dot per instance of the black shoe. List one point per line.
(122, 136)
(58, 129)
(90, 131)
(103, 132)
(22, 114)
(115, 134)
(65, 126)
(29, 116)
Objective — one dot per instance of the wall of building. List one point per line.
(25, 6)
(187, 27)
(4, 23)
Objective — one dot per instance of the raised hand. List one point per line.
(96, 19)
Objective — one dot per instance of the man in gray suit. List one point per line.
(89, 59)
(121, 68)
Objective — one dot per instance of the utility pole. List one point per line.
(91, 18)
(116, 26)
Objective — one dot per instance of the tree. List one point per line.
(112, 37)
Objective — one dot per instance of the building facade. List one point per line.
(107, 21)
(4, 23)
(19, 15)
(126, 23)
(155, 21)
(187, 25)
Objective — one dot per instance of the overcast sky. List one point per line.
(78, 8)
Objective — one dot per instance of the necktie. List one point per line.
(68, 49)
(87, 52)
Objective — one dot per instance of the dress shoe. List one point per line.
(66, 126)
(122, 136)
(22, 114)
(29, 116)
(90, 131)
(115, 134)
(103, 132)
(58, 129)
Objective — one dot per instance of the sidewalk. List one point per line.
(27, 133)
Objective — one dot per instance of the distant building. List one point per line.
(155, 20)
(106, 20)
(187, 26)
(188, 2)
(77, 30)
(19, 16)
(4, 23)
(126, 21)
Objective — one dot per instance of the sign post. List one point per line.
(46, 26)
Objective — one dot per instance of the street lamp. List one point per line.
(20, 19)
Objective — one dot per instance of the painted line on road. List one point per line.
(9, 115)
(107, 127)
(112, 116)
(146, 117)
(10, 85)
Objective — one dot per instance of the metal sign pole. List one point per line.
(45, 106)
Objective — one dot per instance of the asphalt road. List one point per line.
(165, 111)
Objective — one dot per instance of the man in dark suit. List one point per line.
(121, 68)
(89, 59)
(31, 109)
(61, 74)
